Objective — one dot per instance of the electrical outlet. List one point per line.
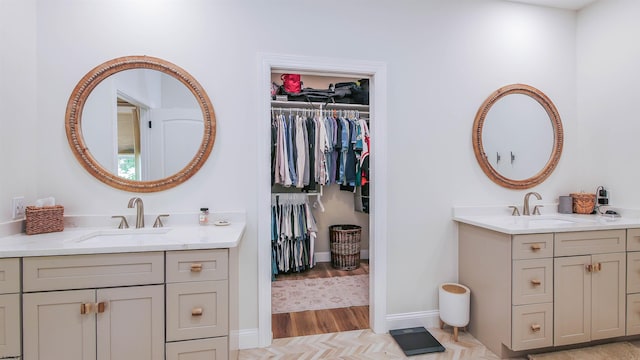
(17, 207)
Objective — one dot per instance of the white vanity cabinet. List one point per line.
(9, 308)
(197, 304)
(535, 291)
(106, 306)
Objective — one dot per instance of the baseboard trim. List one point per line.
(249, 339)
(428, 319)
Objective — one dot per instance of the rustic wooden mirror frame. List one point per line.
(554, 117)
(73, 122)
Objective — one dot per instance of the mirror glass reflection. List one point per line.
(517, 136)
(142, 124)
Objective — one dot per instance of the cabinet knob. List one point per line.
(589, 268)
(85, 308)
(536, 282)
(597, 267)
(535, 247)
(196, 267)
(100, 307)
(196, 311)
(536, 327)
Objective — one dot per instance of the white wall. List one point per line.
(444, 58)
(18, 110)
(608, 99)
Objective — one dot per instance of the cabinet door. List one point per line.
(572, 300)
(532, 326)
(633, 314)
(55, 327)
(532, 281)
(131, 325)
(608, 298)
(633, 272)
(9, 325)
(197, 310)
(204, 349)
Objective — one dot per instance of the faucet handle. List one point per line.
(158, 223)
(536, 209)
(515, 211)
(123, 221)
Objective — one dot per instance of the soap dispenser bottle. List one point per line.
(203, 219)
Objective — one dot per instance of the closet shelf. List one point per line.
(317, 105)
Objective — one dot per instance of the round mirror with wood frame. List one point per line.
(540, 173)
(74, 123)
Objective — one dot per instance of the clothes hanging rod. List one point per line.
(287, 110)
(318, 105)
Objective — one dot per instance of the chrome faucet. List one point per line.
(137, 202)
(525, 207)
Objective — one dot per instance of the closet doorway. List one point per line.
(373, 268)
(320, 181)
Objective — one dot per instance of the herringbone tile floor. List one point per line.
(364, 344)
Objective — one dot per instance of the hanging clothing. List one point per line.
(293, 234)
(317, 148)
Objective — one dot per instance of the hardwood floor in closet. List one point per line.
(314, 322)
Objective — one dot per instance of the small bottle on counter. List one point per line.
(204, 216)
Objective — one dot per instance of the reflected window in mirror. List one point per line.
(128, 139)
(517, 136)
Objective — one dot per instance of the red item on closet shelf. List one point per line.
(291, 83)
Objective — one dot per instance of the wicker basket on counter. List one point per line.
(44, 219)
(344, 241)
(583, 203)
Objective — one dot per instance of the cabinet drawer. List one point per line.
(9, 325)
(532, 326)
(589, 242)
(633, 239)
(197, 310)
(9, 275)
(197, 265)
(204, 349)
(92, 271)
(633, 314)
(633, 272)
(532, 281)
(533, 246)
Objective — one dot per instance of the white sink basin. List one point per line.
(535, 221)
(550, 221)
(121, 236)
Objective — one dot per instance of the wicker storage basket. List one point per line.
(344, 241)
(583, 203)
(44, 219)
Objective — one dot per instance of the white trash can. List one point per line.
(454, 301)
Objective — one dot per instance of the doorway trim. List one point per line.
(377, 71)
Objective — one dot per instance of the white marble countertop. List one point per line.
(77, 238)
(500, 220)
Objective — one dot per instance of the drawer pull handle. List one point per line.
(85, 308)
(536, 282)
(535, 247)
(196, 267)
(100, 307)
(196, 311)
(536, 327)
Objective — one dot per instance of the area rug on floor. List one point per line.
(620, 350)
(319, 293)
